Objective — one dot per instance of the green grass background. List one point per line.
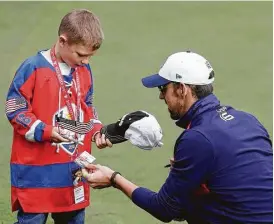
(236, 37)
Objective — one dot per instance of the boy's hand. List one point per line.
(56, 137)
(101, 141)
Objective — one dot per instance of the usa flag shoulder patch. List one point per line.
(14, 104)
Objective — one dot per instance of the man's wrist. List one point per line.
(113, 179)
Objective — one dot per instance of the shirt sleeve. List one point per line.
(193, 158)
(89, 101)
(19, 109)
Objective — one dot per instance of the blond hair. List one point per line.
(82, 26)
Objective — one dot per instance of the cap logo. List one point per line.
(178, 76)
(211, 75)
(208, 65)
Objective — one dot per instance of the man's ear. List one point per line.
(62, 40)
(182, 90)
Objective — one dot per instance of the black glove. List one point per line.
(115, 132)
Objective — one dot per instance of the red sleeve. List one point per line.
(89, 101)
(97, 123)
(18, 104)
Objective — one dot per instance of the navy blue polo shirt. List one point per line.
(222, 172)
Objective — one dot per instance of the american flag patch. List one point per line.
(75, 126)
(15, 104)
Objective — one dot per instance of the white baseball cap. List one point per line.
(145, 133)
(139, 127)
(185, 67)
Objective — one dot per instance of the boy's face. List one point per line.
(74, 54)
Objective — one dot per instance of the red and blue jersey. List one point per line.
(41, 171)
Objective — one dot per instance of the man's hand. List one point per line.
(56, 137)
(101, 141)
(171, 161)
(97, 176)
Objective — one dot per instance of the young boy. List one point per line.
(54, 82)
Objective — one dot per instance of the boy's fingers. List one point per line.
(109, 143)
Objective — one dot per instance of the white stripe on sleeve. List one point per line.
(30, 134)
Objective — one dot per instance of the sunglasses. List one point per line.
(163, 88)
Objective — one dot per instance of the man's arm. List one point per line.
(193, 159)
(19, 109)
(192, 162)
